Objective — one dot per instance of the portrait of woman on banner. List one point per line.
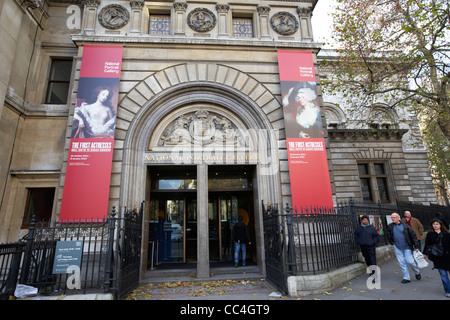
(95, 116)
(301, 110)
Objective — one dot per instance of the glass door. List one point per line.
(214, 229)
(224, 210)
(191, 230)
(166, 229)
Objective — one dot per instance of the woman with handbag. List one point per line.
(437, 248)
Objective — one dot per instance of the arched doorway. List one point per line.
(143, 149)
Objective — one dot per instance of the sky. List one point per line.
(321, 21)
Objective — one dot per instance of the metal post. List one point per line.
(26, 265)
(109, 255)
(291, 245)
(11, 281)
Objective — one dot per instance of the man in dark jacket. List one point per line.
(366, 235)
(405, 242)
(241, 237)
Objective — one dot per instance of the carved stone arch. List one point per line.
(143, 108)
(333, 113)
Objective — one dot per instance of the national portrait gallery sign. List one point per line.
(216, 157)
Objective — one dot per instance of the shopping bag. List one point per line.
(420, 260)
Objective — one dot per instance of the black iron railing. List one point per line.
(109, 259)
(316, 240)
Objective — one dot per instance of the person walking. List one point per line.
(439, 233)
(405, 242)
(241, 237)
(415, 224)
(366, 235)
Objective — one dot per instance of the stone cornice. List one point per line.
(79, 39)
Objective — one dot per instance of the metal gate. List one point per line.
(129, 249)
(279, 251)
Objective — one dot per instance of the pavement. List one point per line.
(251, 286)
(247, 285)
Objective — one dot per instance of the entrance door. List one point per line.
(173, 224)
(172, 234)
(224, 210)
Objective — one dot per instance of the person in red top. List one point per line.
(415, 224)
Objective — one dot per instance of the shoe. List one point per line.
(448, 295)
(406, 281)
(236, 265)
(418, 276)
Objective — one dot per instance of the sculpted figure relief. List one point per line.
(202, 128)
(284, 23)
(201, 20)
(113, 16)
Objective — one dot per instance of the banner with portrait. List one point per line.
(88, 173)
(308, 167)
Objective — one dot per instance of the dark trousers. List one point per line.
(369, 255)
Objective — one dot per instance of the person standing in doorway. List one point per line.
(438, 234)
(404, 240)
(415, 224)
(241, 237)
(366, 235)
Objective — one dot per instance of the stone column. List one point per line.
(90, 16)
(179, 17)
(202, 222)
(136, 16)
(305, 23)
(264, 24)
(222, 10)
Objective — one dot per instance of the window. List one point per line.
(243, 27)
(332, 126)
(374, 182)
(58, 82)
(39, 203)
(376, 126)
(159, 24)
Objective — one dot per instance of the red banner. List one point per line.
(308, 167)
(88, 174)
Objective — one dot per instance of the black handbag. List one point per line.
(436, 249)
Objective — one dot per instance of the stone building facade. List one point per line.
(183, 61)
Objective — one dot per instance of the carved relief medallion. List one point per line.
(202, 128)
(201, 20)
(113, 16)
(284, 23)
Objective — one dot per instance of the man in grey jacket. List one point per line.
(405, 241)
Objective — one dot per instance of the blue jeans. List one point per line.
(445, 280)
(404, 258)
(237, 247)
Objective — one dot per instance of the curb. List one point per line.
(301, 286)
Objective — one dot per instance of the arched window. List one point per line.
(381, 117)
(335, 117)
